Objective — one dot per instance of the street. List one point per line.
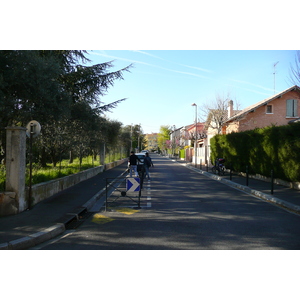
(184, 210)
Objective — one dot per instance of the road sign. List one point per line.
(133, 184)
(33, 128)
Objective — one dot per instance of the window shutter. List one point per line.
(295, 108)
(289, 108)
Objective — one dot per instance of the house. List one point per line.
(199, 132)
(279, 109)
(198, 128)
(175, 139)
(187, 136)
(214, 125)
(181, 136)
(184, 136)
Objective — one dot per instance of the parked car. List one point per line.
(141, 157)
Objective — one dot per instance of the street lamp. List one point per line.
(195, 145)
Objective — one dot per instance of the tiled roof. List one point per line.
(261, 103)
(192, 126)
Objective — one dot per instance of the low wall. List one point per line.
(47, 189)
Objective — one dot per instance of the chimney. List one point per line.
(230, 109)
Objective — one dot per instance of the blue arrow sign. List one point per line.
(133, 184)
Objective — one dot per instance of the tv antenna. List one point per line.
(274, 66)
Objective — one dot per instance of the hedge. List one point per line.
(274, 148)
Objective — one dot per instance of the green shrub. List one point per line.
(182, 153)
(274, 148)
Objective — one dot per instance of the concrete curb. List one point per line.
(34, 239)
(50, 232)
(261, 195)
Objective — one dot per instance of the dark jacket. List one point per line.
(133, 160)
(148, 161)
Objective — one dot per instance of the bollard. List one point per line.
(247, 176)
(272, 182)
(139, 202)
(142, 177)
(141, 186)
(230, 172)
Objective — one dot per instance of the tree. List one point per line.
(34, 84)
(53, 88)
(88, 83)
(125, 138)
(28, 88)
(295, 71)
(137, 137)
(216, 112)
(163, 137)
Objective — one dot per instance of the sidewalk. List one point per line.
(48, 218)
(282, 196)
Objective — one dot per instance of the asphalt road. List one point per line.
(182, 209)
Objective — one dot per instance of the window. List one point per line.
(269, 109)
(291, 108)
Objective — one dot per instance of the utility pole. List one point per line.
(139, 138)
(196, 141)
(131, 138)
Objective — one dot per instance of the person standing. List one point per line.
(147, 164)
(133, 159)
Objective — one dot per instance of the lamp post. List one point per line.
(195, 145)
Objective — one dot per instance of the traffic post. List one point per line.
(134, 185)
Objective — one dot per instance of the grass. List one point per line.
(2, 177)
(62, 169)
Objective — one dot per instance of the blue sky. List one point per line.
(163, 84)
(192, 51)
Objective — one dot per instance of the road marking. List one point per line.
(149, 204)
(126, 211)
(101, 219)
(52, 241)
